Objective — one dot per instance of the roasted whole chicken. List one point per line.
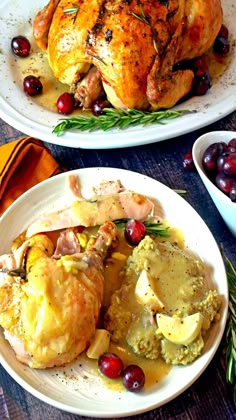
(50, 315)
(127, 48)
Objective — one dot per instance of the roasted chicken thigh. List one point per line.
(126, 47)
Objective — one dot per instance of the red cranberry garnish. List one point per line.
(134, 231)
(221, 46)
(110, 365)
(133, 378)
(32, 85)
(229, 166)
(20, 46)
(224, 32)
(219, 162)
(232, 192)
(211, 154)
(231, 148)
(232, 143)
(224, 182)
(188, 162)
(200, 66)
(98, 107)
(202, 83)
(65, 103)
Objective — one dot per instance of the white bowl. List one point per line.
(76, 387)
(225, 206)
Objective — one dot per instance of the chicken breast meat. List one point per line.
(126, 48)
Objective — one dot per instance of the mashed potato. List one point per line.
(173, 283)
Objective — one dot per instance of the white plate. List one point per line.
(77, 388)
(20, 111)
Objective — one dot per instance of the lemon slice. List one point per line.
(180, 330)
(100, 344)
(145, 294)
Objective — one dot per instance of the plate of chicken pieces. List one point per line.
(111, 303)
(116, 74)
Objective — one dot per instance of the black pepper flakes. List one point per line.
(89, 40)
(108, 35)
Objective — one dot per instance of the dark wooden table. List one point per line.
(209, 397)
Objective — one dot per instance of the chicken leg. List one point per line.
(50, 318)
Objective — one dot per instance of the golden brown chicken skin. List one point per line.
(132, 43)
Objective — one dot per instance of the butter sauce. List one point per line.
(37, 64)
(154, 370)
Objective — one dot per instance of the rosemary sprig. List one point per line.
(99, 59)
(146, 19)
(152, 228)
(72, 11)
(230, 336)
(142, 16)
(157, 229)
(120, 118)
(182, 193)
(155, 45)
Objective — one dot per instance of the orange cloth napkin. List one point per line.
(23, 164)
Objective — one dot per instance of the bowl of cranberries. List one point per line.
(214, 156)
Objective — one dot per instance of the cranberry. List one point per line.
(188, 162)
(224, 182)
(133, 378)
(232, 192)
(200, 66)
(98, 107)
(134, 231)
(211, 154)
(231, 148)
(20, 46)
(32, 85)
(229, 166)
(232, 143)
(221, 46)
(79, 229)
(221, 161)
(223, 32)
(202, 83)
(110, 365)
(65, 103)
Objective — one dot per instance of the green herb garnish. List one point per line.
(72, 11)
(142, 16)
(120, 118)
(157, 229)
(99, 59)
(182, 193)
(155, 46)
(230, 336)
(146, 20)
(152, 228)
